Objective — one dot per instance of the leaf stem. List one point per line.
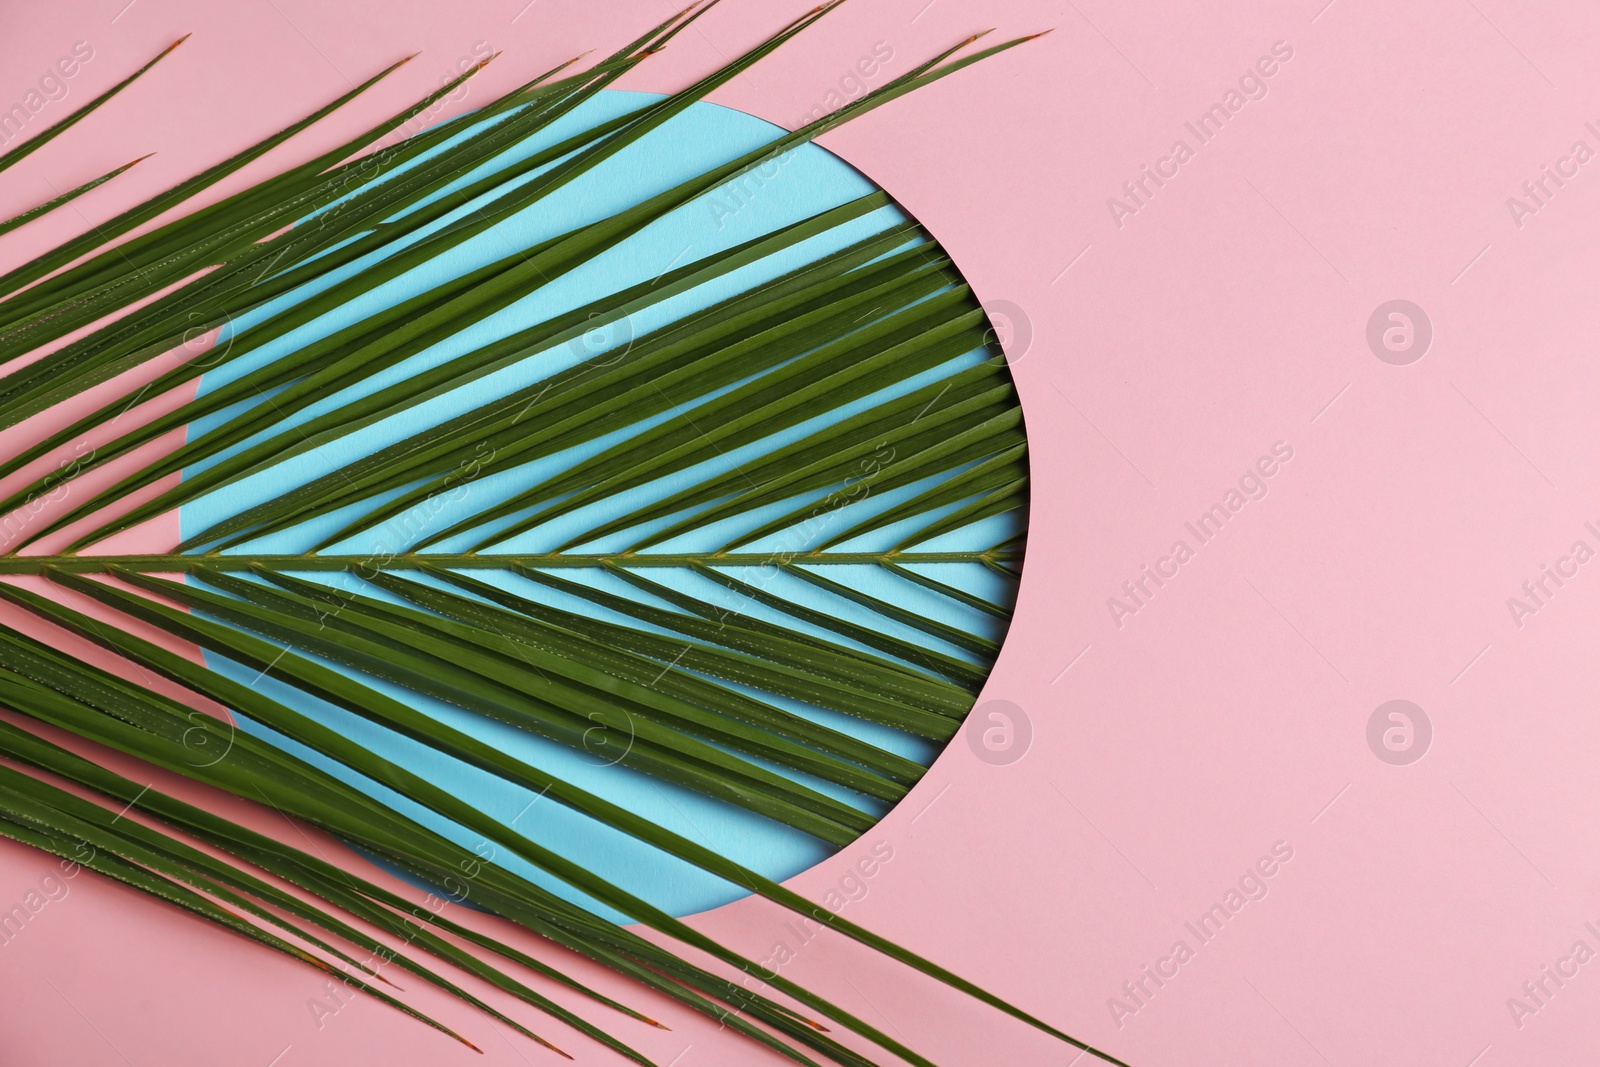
(379, 561)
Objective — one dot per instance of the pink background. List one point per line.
(1229, 714)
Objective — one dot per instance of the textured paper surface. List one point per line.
(1162, 349)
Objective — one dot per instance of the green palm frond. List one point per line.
(50, 133)
(22, 219)
(713, 553)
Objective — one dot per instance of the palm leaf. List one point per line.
(821, 399)
(67, 197)
(50, 133)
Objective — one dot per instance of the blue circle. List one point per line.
(805, 181)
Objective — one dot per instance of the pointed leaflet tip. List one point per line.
(397, 64)
(141, 159)
(486, 62)
(529, 1033)
(44, 137)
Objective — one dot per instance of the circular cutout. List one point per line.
(925, 633)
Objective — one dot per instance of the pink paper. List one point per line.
(1167, 336)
